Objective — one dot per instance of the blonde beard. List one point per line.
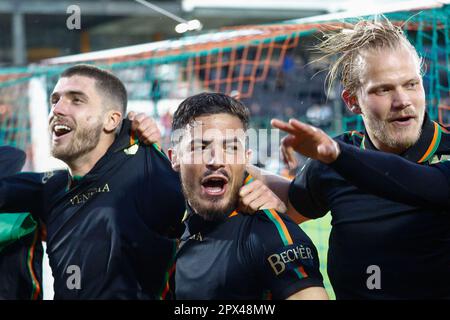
(402, 141)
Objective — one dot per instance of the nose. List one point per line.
(401, 99)
(60, 107)
(215, 158)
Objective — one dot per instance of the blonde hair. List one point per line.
(351, 42)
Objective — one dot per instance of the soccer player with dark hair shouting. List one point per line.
(225, 254)
(109, 216)
(390, 236)
(21, 250)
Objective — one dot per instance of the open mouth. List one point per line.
(214, 185)
(405, 120)
(60, 130)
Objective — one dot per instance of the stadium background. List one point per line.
(261, 50)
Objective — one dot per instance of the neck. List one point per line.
(389, 149)
(83, 164)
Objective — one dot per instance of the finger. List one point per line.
(142, 131)
(246, 189)
(302, 128)
(151, 139)
(288, 151)
(146, 124)
(131, 115)
(147, 121)
(265, 201)
(252, 196)
(284, 126)
(143, 121)
(284, 156)
(140, 117)
(243, 208)
(137, 121)
(291, 159)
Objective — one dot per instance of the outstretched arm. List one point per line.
(384, 174)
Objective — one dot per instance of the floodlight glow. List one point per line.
(191, 25)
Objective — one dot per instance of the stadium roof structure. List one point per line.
(240, 34)
(214, 42)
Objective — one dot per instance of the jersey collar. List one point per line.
(425, 147)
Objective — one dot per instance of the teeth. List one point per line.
(60, 127)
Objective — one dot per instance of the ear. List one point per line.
(112, 120)
(174, 159)
(351, 102)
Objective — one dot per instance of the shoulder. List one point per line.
(11, 160)
(442, 145)
(154, 153)
(7, 152)
(354, 138)
(444, 137)
(47, 177)
(268, 228)
(284, 254)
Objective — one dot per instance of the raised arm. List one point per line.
(383, 174)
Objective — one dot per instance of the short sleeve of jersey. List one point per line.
(161, 194)
(305, 192)
(283, 255)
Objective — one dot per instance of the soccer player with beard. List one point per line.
(109, 214)
(387, 188)
(225, 254)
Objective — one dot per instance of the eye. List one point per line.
(54, 100)
(231, 147)
(77, 101)
(411, 85)
(198, 147)
(382, 90)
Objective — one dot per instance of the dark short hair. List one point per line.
(208, 103)
(107, 82)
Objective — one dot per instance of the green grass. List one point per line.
(319, 232)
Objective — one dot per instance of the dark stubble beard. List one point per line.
(84, 141)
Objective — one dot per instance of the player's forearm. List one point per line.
(278, 184)
(392, 177)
